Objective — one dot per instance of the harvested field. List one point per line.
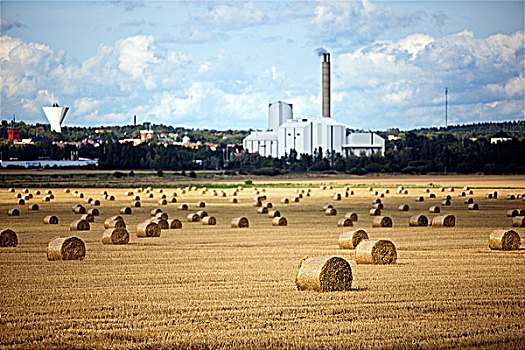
(218, 288)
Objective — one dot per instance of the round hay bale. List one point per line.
(96, 202)
(136, 198)
(80, 195)
(403, 207)
(350, 239)
(67, 190)
(209, 220)
(163, 224)
(18, 195)
(193, 217)
(11, 190)
(522, 212)
(324, 274)
(447, 197)
(240, 222)
(441, 189)
(418, 220)
(262, 210)
(129, 193)
(431, 195)
(8, 238)
(149, 195)
(351, 216)
(382, 221)
(163, 202)
(94, 212)
(378, 252)
(28, 197)
(21, 202)
(115, 236)
(66, 248)
(88, 218)
(51, 220)
(375, 212)
(321, 187)
(111, 198)
(445, 203)
(330, 212)
(125, 211)
(234, 200)
(434, 209)
(285, 201)
(495, 194)
(470, 192)
(13, 212)
(200, 205)
(274, 214)
(79, 225)
(182, 206)
(473, 206)
(462, 194)
(337, 196)
(451, 189)
(404, 192)
(48, 192)
(155, 211)
(488, 196)
(175, 224)
(114, 223)
(262, 198)
(89, 200)
(257, 204)
(267, 205)
(420, 199)
(148, 229)
(426, 190)
(378, 206)
(518, 221)
(468, 201)
(135, 204)
(444, 221)
(46, 199)
(163, 196)
(344, 222)
(327, 206)
(161, 215)
(79, 209)
(296, 199)
(36, 192)
(103, 193)
(202, 213)
(376, 201)
(513, 212)
(279, 221)
(504, 240)
(173, 200)
(369, 189)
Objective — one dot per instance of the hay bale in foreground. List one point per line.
(202, 213)
(274, 214)
(79, 225)
(378, 206)
(468, 200)
(155, 211)
(200, 205)
(445, 202)
(94, 212)
(148, 229)
(66, 248)
(434, 209)
(473, 206)
(175, 224)
(114, 222)
(431, 195)
(513, 212)
(257, 204)
(324, 274)
(285, 201)
(162, 216)
(262, 210)
(125, 211)
(518, 221)
(115, 236)
(234, 200)
(403, 207)
(327, 206)
(344, 223)
(504, 240)
(279, 221)
(88, 218)
(135, 204)
(444, 221)
(382, 221)
(418, 220)
(351, 216)
(51, 220)
(350, 239)
(267, 205)
(8, 238)
(13, 212)
(209, 220)
(33, 207)
(420, 199)
(193, 217)
(330, 212)
(163, 202)
(183, 206)
(163, 224)
(378, 252)
(21, 202)
(79, 209)
(240, 222)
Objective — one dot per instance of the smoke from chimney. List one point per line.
(320, 51)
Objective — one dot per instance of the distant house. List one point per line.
(501, 136)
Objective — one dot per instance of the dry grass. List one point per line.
(216, 287)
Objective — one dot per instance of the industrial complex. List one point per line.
(306, 135)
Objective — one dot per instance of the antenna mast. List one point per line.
(446, 107)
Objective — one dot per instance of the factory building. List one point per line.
(306, 135)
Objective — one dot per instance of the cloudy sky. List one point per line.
(219, 64)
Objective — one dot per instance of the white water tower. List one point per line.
(56, 115)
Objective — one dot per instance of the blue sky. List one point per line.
(218, 64)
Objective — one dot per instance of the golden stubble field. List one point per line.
(208, 287)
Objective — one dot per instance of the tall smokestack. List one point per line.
(326, 85)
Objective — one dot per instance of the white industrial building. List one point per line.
(306, 135)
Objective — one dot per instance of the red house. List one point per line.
(13, 134)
